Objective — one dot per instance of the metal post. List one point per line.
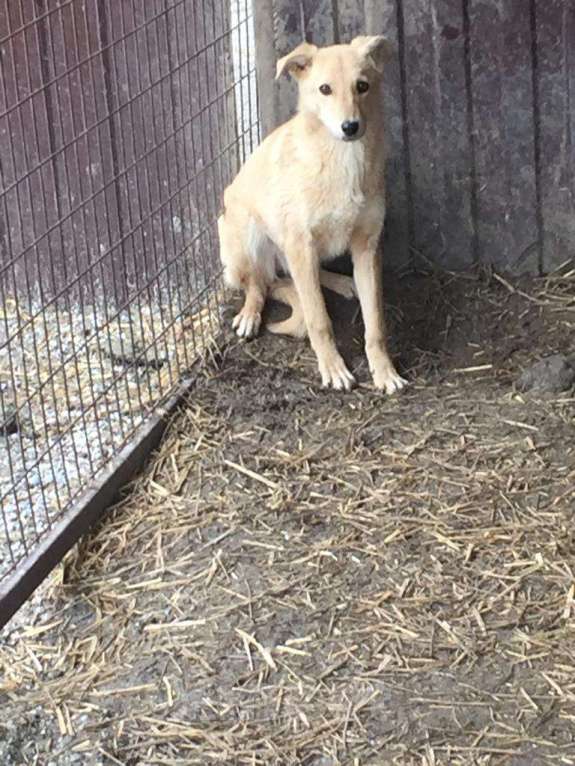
(266, 65)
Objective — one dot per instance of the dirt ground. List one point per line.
(310, 577)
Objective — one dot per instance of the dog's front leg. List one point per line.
(367, 275)
(303, 262)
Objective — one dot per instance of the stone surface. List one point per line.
(9, 420)
(550, 375)
(132, 351)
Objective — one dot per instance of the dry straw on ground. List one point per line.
(74, 387)
(303, 577)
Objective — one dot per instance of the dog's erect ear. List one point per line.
(297, 61)
(376, 50)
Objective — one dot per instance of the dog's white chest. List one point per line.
(343, 200)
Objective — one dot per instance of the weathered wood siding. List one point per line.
(480, 123)
(118, 132)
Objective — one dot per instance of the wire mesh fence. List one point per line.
(120, 124)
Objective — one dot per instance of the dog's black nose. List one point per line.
(350, 127)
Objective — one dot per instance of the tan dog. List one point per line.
(315, 188)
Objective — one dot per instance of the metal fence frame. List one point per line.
(120, 125)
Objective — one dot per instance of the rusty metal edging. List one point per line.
(91, 507)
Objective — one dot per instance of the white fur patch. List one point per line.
(353, 164)
(348, 176)
(261, 250)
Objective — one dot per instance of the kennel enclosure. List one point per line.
(120, 125)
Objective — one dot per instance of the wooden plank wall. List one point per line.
(117, 136)
(480, 123)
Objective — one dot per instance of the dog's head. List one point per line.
(339, 83)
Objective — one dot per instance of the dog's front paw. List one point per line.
(334, 374)
(388, 380)
(247, 323)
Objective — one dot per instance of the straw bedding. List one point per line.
(308, 577)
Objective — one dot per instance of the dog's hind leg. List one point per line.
(283, 290)
(338, 283)
(243, 269)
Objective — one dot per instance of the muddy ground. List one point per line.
(310, 577)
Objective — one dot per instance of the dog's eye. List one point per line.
(325, 89)
(362, 86)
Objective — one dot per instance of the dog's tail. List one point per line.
(283, 290)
